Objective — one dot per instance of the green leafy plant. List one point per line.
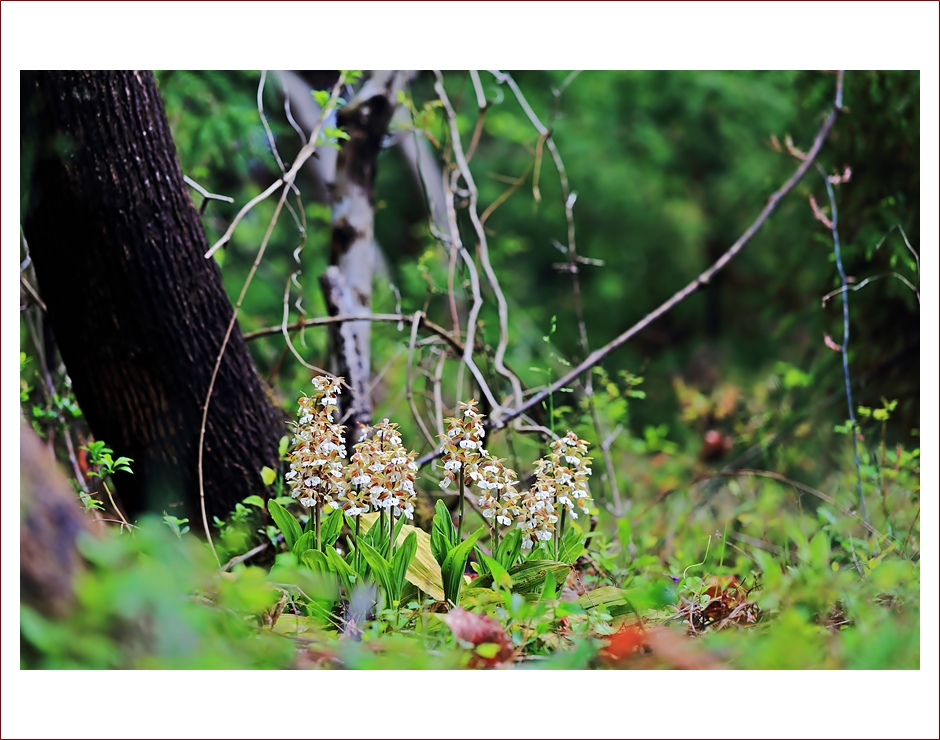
(100, 456)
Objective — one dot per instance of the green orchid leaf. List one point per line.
(285, 522)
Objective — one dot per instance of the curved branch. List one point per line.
(484, 252)
(390, 317)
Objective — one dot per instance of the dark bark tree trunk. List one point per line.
(138, 313)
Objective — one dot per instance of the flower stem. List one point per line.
(561, 529)
(555, 539)
(391, 533)
(356, 544)
(460, 514)
(316, 515)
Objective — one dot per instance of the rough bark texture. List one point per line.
(138, 313)
(353, 250)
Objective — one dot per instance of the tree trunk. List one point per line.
(347, 284)
(138, 313)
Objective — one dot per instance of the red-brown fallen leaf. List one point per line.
(719, 586)
(680, 652)
(623, 644)
(479, 629)
(648, 647)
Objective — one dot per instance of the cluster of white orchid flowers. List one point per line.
(317, 461)
(561, 478)
(379, 476)
(381, 472)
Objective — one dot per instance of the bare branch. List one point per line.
(205, 193)
(456, 246)
(416, 321)
(390, 317)
(868, 280)
(465, 173)
(264, 122)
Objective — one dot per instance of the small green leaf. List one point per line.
(487, 649)
(497, 571)
(572, 546)
(548, 589)
(254, 501)
(267, 475)
(567, 608)
(819, 549)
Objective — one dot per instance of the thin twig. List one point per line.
(513, 186)
(911, 530)
(246, 556)
(416, 321)
(866, 281)
(290, 116)
(569, 197)
(50, 394)
(701, 281)
(33, 293)
(834, 228)
(482, 106)
(386, 317)
(205, 193)
(264, 122)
